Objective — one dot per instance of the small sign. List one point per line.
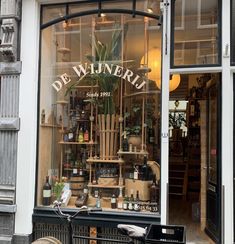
(98, 94)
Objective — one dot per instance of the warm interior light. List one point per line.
(150, 10)
(102, 15)
(153, 60)
(173, 83)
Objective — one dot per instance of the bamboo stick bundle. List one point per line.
(115, 135)
(112, 135)
(107, 132)
(101, 138)
(103, 135)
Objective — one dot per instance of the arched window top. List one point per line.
(65, 14)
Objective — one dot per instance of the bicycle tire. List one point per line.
(47, 240)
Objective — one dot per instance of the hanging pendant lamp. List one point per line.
(153, 58)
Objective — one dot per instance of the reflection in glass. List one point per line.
(213, 114)
(195, 32)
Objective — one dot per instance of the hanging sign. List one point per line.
(113, 69)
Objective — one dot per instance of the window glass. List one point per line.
(195, 30)
(52, 12)
(100, 113)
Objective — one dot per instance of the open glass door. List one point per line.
(213, 217)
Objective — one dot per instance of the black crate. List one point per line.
(165, 234)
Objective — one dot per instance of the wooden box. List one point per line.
(108, 181)
(132, 186)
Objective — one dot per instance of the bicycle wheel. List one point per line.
(47, 240)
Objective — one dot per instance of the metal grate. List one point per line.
(112, 233)
(60, 232)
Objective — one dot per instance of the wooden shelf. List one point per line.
(142, 93)
(132, 153)
(114, 161)
(50, 125)
(105, 186)
(76, 143)
(62, 102)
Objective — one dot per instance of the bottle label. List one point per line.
(151, 139)
(70, 136)
(124, 205)
(46, 193)
(86, 137)
(113, 200)
(80, 138)
(136, 175)
(98, 203)
(130, 206)
(75, 171)
(136, 207)
(120, 205)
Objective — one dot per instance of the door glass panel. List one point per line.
(195, 32)
(212, 154)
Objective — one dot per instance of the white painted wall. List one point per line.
(26, 158)
(165, 114)
(227, 130)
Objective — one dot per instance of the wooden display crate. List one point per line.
(132, 186)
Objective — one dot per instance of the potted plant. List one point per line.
(176, 120)
(107, 84)
(133, 128)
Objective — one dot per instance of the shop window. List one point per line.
(99, 126)
(195, 33)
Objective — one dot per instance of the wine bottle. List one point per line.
(75, 170)
(131, 202)
(46, 200)
(71, 100)
(70, 134)
(137, 202)
(120, 199)
(125, 146)
(113, 202)
(86, 136)
(98, 202)
(80, 136)
(145, 170)
(154, 191)
(136, 172)
(125, 203)
(151, 135)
